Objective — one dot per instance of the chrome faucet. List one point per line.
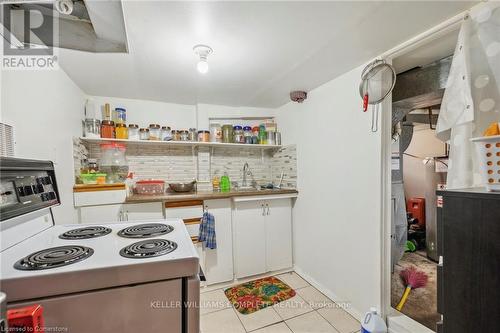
(246, 171)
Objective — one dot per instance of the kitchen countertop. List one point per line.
(204, 195)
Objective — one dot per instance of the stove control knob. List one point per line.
(28, 190)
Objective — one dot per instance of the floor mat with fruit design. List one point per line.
(258, 294)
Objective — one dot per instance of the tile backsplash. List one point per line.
(182, 164)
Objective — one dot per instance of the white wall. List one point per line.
(143, 112)
(45, 108)
(337, 216)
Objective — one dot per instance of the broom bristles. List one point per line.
(413, 278)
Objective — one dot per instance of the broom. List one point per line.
(412, 279)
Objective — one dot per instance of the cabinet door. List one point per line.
(219, 262)
(143, 211)
(100, 214)
(278, 234)
(249, 238)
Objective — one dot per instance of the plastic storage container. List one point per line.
(114, 163)
(373, 323)
(93, 178)
(151, 187)
(488, 150)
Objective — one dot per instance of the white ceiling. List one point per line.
(262, 50)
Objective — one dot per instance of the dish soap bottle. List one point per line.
(225, 183)
(216, 184)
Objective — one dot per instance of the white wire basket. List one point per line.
(488, 150)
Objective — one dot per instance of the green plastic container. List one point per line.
(225, 183)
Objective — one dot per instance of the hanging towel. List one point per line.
(207, 231)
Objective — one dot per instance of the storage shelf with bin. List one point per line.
(182, 143)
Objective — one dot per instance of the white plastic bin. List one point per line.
(488, 150)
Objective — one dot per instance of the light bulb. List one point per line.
(202, 66)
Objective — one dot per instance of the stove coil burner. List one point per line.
(54, 257)
(85, 232)
(145, 230)
(148, 248)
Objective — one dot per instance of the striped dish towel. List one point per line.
(207, 231)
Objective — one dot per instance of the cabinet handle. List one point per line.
(263, 210)
(268, 209)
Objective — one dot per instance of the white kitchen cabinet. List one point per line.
(278, 234)
(101, 214)
(262, 236)
(143, 211)
(218, 263)
(249, 225)
(121, 213)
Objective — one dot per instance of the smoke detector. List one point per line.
(298, 96)
(202, 51)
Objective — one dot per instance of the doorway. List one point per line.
(417, 168)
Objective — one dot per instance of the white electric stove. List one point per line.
(114, 277)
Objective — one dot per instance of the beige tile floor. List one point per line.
(308, 312)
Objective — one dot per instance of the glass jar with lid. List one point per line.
(144, 134)
(227, 133)
(193, 134)
(238, 136)
(113, 162)
(107, 129)
(154, 132)
(184, 135)
(133, 132)
(121, 131)
(215, 133)
(247, 133)
(176, 135)
(166, 133)
(204, 136)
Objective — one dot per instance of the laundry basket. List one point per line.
(488, 150)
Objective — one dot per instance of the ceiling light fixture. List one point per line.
(202, 51)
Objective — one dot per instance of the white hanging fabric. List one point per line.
(472, 97)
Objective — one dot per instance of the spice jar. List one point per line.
(121, 131)
(262, 135)
(133, 132)
(227, 133)
(238, 134)
(92, 165)
(144, 134)
(215, 133)
(154, 132)
(107, 129)
(176, 135)
(204, 136)
(192, 134)
(166, 133)
(184, 135)
(247, 134)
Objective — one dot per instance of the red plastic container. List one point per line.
(416, 206)
(26, 319)
(155, 187)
